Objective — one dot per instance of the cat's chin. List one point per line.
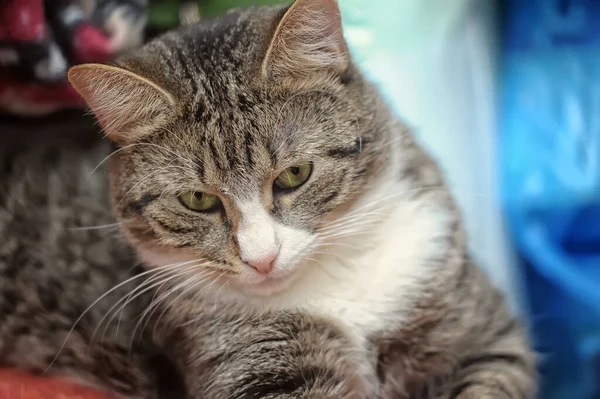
(270, 285)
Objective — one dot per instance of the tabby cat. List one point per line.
(295, 241)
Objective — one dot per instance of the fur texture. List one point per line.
(60, 254)
(372, 293)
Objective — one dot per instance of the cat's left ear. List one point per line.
(308, 40)
(126, 105)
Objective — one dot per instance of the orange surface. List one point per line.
(19, 385)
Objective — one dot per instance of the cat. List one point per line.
(295, 239)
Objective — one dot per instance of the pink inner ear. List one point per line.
(327, 20)
(334, 28)
(126, 105)
(82, 81)
(309, 38)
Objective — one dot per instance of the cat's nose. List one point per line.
(263, 264)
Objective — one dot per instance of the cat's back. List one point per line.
(60, 249)
(54, 192)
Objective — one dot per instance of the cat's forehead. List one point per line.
(227, 124)
(230, 145)
(239, 151)
(210, 59)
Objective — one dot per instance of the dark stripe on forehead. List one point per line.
(343, 152)
(200, 113)
(244, 103)
(216, 156)
(349, 151)
(231, 156)
(200, 166)
(183, 60)
(272, 153)
(249, 144)
(169, 60)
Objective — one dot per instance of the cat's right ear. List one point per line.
(126, 105)
(308, 40)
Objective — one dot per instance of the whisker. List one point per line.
(195, 319)
(154, 306)
(186, 283)
(153, 303)
(78, 320)
(219, 292)
(119, 307)
(191, 285)
(329, 243)
(366, 227)
(99, 227)
(173, 275)
(355, 213)
(142, 180)
(320, 264)
(351, 222)
(109, 156)
(140, 290)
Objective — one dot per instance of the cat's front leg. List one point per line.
(276, 356)
(495, 360)
(461, 344)
(502, 371)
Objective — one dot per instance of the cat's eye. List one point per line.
(199, 201)
(294, 177)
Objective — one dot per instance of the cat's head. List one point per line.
(240, 139)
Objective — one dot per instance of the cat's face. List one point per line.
(248, 188)
(240, 164)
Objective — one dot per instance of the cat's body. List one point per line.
(298, 240)
(60, 252)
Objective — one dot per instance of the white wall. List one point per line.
(436, 60)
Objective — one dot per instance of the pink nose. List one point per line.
(265, 264)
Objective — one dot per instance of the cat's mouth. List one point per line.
(272, 284)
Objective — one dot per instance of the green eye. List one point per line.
(199, 201)
(294, 177)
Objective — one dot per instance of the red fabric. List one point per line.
(19, 385)
(91, 45)
(60, 94)
(22, 20)
(38, 44)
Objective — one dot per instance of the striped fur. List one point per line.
(403, 286)
(373, 293)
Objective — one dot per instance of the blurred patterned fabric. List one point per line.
(41, 39)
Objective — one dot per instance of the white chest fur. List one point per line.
(373, 286)
(369, 281)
